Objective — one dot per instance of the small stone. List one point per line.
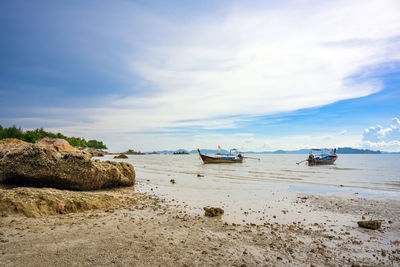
(212, 212)
(371, 224)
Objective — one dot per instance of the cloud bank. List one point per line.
(216, 68)
(254, 62)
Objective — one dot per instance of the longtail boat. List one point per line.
(321, 157)
(229, 158)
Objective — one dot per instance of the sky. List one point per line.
(154, 75)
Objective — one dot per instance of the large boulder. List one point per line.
(56, 143)
(40, 166)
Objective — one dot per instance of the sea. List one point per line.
(270, 182)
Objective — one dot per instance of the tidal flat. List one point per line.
(143, 230)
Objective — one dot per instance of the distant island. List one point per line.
(37, 134)
(183, 152)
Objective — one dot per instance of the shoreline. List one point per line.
(147, 230)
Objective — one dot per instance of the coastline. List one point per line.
(146, 230)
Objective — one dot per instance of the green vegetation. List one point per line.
(33, 136)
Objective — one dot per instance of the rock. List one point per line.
(122, 156)
(34, 202)
(371, 224)
(56, 143)
(40, 166)
(172, 181)
(212, 212)
(96, 153)
(11, 143)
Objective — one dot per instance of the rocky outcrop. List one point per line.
(11, 143)
(96, 153)
(56, 143)
(34, 202)
(122, 156)
(44, 166)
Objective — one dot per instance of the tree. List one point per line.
(37, 134)
(12, 132)
(31, 136)
(96, 144)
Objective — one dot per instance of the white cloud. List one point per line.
(377, 137)
(272, 60)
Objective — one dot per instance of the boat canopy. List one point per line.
(232, 152)
(322, 152)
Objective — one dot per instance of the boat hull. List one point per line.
(327, 160)
(215, 160)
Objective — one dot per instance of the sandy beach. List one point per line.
(143, 230)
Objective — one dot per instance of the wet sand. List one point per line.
(144, 230)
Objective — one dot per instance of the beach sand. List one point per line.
(142, 230)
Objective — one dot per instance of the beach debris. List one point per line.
(371, 224)
(212, 212)
(121, 156)
(39, 166)
(200, 175)
(172, 181)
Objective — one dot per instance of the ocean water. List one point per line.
(272, 183)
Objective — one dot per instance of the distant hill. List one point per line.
(349, 150)
(209, 151)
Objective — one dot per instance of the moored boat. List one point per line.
(230, 158)
(321, 157)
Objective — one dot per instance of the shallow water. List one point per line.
(271, 184)
(366, 174)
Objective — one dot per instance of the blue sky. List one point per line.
(151, 75)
